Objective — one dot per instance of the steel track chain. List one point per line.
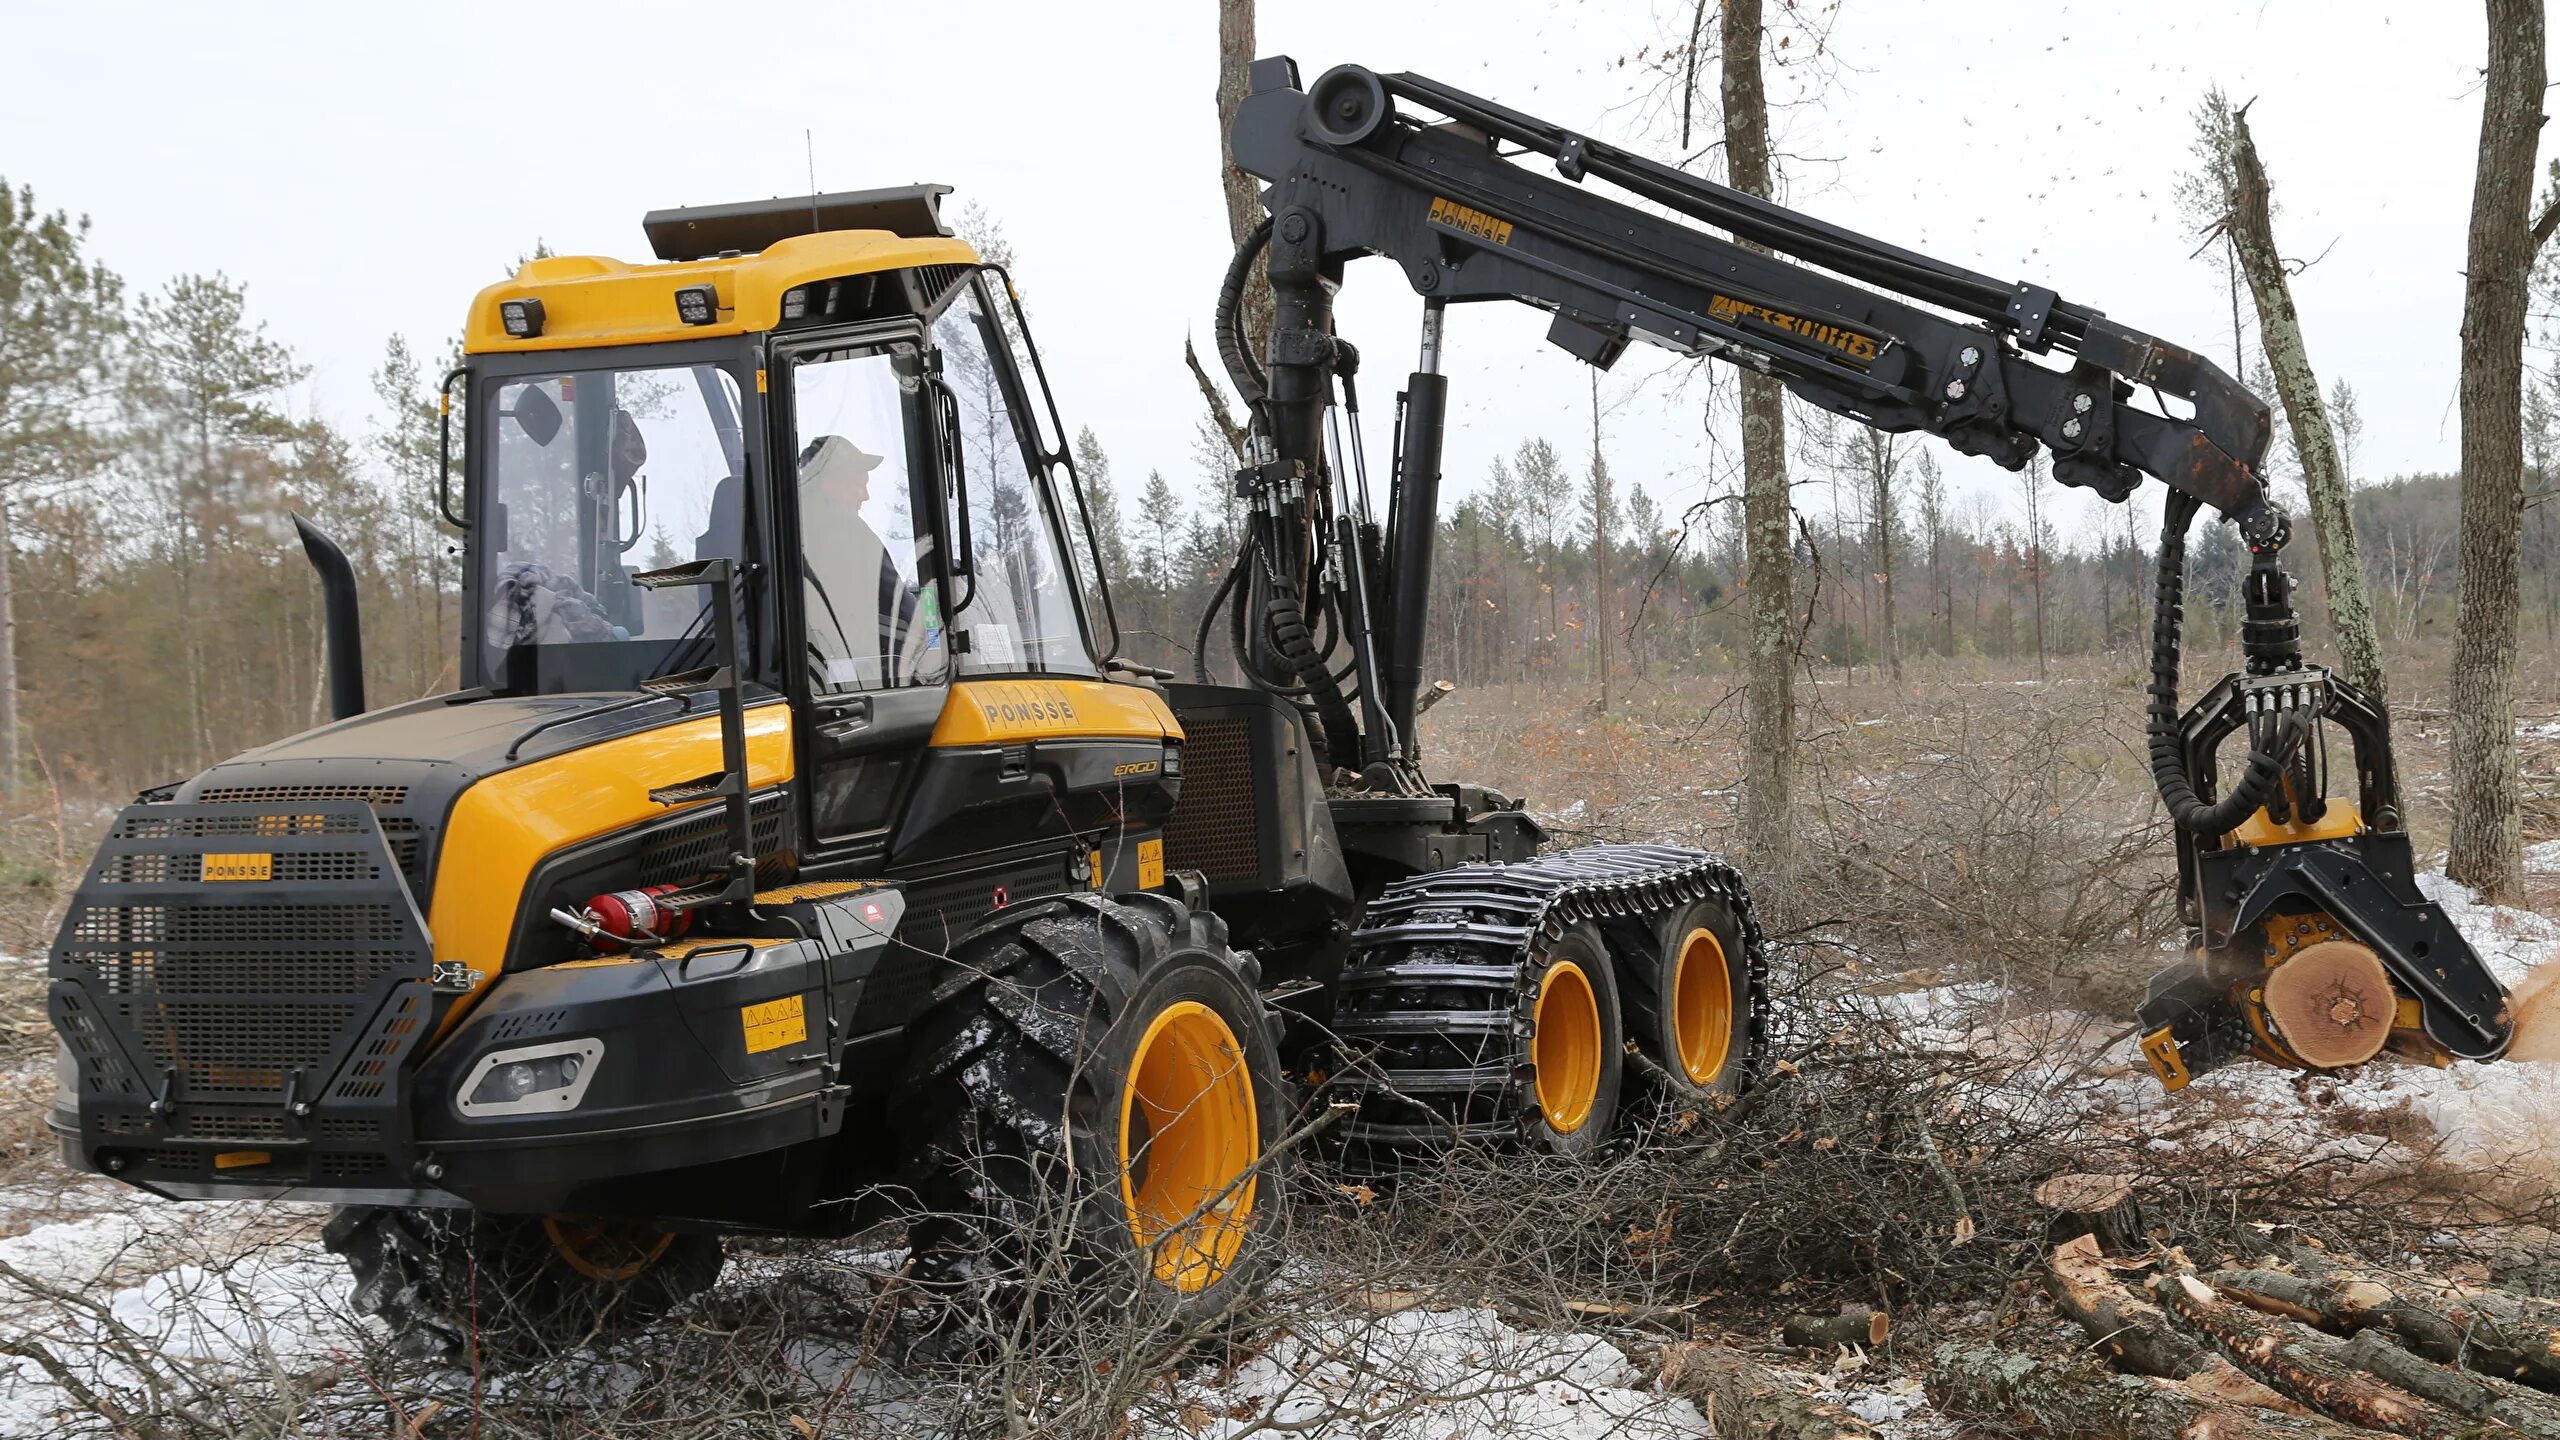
(1440, 987)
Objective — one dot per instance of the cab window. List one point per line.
(1017, 594)
(870, 619)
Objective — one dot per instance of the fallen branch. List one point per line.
(2478, 1397)
(1746, 1400)
(2290, 1368)
(1857, 1325)
(2036, 1396)
(2131, 1331)
(2495, 1334)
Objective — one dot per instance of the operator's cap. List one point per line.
(831, 456)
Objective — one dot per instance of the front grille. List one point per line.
(406, 834)
(297, 972)
(231, 1122)
(1213, 828)
(378, 796)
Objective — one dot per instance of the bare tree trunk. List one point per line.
(2487, 844)
(1600, 607)
(1767, 803)
(8, 656)
(1244, 196)
(1880, 451)
(2324, 475)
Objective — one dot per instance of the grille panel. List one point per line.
(374, 795)
(1214, 828)
(227, 994)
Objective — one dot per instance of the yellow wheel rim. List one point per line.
(606, 1250)
(1702, 1006)
(1564, 1047)
(1189, 1141)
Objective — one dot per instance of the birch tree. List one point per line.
(2315, 440)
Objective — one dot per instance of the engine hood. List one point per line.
(412, 762)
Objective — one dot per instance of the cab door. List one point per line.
(866, 647)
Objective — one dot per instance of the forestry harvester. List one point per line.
(797, 849)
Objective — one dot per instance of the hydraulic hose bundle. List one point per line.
(2274, 739)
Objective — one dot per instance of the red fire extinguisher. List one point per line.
(626, 917)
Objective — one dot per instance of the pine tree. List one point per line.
(61, 314)
(203, 364)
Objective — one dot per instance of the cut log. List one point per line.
(2030, 1395)
(2127, 1329)
(2106, 1206)
(2508, 1336)
(1746, 1400)
(2274, 1356)
(2476, 1396)
(1856, 1325)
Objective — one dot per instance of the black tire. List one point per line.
(1019, 1082)
(1576, 1079)
(1700, 1052)
(517, 1288)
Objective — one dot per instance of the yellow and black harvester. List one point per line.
(798, 853)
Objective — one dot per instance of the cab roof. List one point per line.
(593, 300)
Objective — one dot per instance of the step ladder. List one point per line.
(736, 878)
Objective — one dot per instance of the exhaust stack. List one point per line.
(338, 613)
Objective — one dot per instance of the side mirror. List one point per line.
(537, 415)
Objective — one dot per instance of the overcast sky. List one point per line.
(366, 168)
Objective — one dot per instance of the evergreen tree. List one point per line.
(61, 314)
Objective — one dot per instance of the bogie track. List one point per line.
(1440, 993)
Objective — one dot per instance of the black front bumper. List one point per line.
(278, 1037)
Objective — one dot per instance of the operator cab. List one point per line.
(854, 416)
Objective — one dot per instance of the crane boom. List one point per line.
(1408, 168)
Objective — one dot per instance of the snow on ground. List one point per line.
(2542, 858)
(205, 1283)
(2495, 1114)
(1459, 1374)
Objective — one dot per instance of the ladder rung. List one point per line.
(691, 572)
(689, 682)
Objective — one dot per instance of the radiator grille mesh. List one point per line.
(1214, 828)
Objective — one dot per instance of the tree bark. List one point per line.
(2129, 1330)
(1600, 516)
(1746, 1400)
(2324, 475)
(1244, 194)
(2273, 1357)
(8, 654)
(2495, 1334)
(2464, 1394)
(2036, 1396)
(1769, 542)
(2486, 851)
(1858, 1326)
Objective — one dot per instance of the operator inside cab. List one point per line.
(857, 601)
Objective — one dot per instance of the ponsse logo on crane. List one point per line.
(1858, 348)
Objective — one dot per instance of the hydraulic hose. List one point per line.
(2271, 745)
(1209, 619)
(1228, 327)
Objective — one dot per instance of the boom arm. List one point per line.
(1889, 337)
(1353, 174)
